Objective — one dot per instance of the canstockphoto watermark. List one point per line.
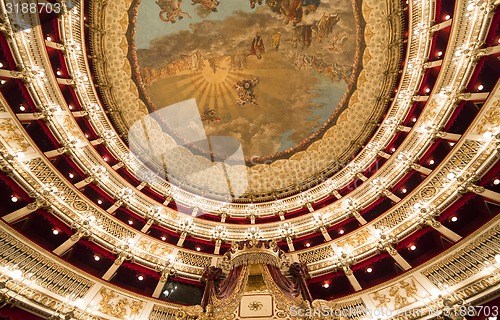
(24, 15)
(383, 313)
(326, 311)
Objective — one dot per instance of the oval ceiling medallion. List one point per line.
(275, 74)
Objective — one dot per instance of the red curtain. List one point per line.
(300, 273)
(286, 285)
(222, 289)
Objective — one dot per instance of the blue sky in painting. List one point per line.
(149, 25)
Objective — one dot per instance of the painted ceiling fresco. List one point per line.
(273, 74)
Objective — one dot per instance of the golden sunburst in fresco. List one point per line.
(272, 74)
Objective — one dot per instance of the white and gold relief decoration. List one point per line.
(256, 307)
(399, 295)
(114, 304)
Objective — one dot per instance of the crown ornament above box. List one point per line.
(250, 252)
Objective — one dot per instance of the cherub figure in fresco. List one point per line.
(210, 115)
(254, 2)
(257, 46)
(304, 62)
(193, 61)
(325, 25)
(209, 4)
(292, 10)
(276, 40)
(337, 40)
(274, 5)
(170, 10)
(215, 63)
(302, 35)
(309, 6)
(238, 60)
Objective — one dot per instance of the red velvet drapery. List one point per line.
(222, 289)
(286, 285)
(297, 285)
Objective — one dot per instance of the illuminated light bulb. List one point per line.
(440, 53)
(140, 278)
(308, 244)
(55, 232)
(369, 270)
(447, 17)
(99, 201)
(58, 72)
(16, 274)
(70, 107)
(97, 258)
(87, 135)
(14, 199)
(1, 65)
(452, 144)
(431, 162)
(49, 38)
(454, 219)
(198, 249)
(414, 119)
(496, 182)
(22, 108)
(480, 87)
(164, 238)
(2, 82)
(413, 247)
(341, 231)
(326, 285)
(393, 149)
(78, 302)
(488, 135)
(427, 90)
(105, 159)
(130, 222)
(71, 176)
(404, 191)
